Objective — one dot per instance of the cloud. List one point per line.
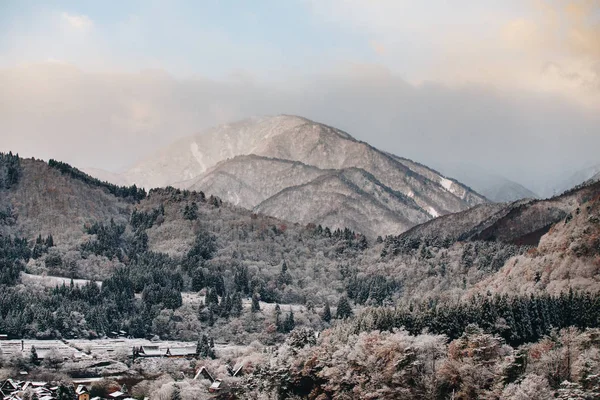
(507, 45)
(80, 22)
(378, 47)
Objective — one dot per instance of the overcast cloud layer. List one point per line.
(512, 87)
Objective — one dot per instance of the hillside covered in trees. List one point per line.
(182, 264)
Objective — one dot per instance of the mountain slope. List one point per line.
(579, 177)
(431, 260)
(45, 201)
(504, 190)
(347, 198)
(568, 256)
(350, 198)
(247, 181)
(520, 222)
(201, 162)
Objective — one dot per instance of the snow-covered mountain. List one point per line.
(588, 174)
(306, 172)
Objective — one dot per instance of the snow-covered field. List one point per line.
(194, 298)
(52, 281)
(99, 348)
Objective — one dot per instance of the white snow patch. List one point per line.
(198, 155)
(446, 184)
(433, 212)
(236, 199)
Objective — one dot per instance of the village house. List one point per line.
(15, 390)
(9, 386)
(82, 392)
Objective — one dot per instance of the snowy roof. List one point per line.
(204, 372)
(151, 351)
(181, 351)
(116, 394)
(81, 389)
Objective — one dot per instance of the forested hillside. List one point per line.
(183, 264)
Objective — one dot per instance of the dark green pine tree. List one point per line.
(49, 241)
(344, 310)
(211, 315)
(211, 297)
(289, 324)
(284, 276)
(203, 347)
(277, 317)
(65, 392)
(326, 315)
(237, 307)
(225, 306)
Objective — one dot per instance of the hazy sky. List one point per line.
(512, 86)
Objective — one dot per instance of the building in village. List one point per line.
(82, 392)
(12, 389)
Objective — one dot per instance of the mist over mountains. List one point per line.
(302, 171)
(114, 119)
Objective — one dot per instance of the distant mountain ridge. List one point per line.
(495, 187)
(520, 222)
(295, 169)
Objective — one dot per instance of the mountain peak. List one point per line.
(259, 162)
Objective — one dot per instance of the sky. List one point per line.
(511, 87)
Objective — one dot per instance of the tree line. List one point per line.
(126, 192)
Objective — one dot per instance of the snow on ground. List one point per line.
(103, 348)
(198, 155)
(433, 212)
(446, 184)
(52, 281)
(194, 298)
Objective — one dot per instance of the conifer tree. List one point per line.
(326, 315)
(277, 314)
(289, 324)
(237, 306)
(344, 310)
